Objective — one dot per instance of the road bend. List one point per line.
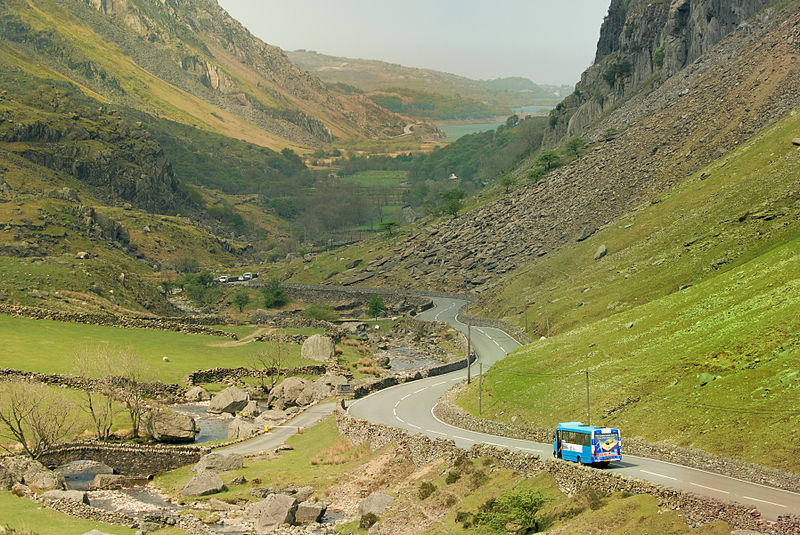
(411, 406)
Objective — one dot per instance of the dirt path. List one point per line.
(243, 341)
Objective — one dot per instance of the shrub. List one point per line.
(274, 294)
(368, 520)
(462, 463)
(450, 501)
(320, 312)
(477, 479)
(452, 477)
(426, 488)
(519, 506)
(465, 518)
(658, 56)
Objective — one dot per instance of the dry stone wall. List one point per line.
(570, 477)
(451, 413)
(189, 325)
(235, 375)
(385, 382)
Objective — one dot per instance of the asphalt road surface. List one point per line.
(410, 406)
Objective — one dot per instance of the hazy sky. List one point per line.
(548, 41)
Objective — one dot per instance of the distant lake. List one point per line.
(455, 131)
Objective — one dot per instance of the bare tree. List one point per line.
(98, 363)
(34, 415)
(267, 363)
(135, 376)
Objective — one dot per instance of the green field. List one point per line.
(50, 346)
(689, 327)
(378, 178)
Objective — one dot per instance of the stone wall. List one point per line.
(126, 459)
(189, 325)
(571, 477)
(385, 382)
(451, 413)
(235, 375)
(167, 393)
(515, 332)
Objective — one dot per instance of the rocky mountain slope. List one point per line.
(189, 62)
(662, 135)
(642, 44)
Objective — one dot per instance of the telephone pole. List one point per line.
(588, 418)
(469, 351)
(480, 390)
(526, 318)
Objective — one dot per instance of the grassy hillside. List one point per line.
(688, 326)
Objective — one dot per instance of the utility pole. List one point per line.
(547, 319)
(588, 418)
(480, 391)
(526, 318)
(469, 351)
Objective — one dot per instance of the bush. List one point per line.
(320, 312)
(274, 294)
(477, 479)
(450, 501)
(658, 56)
(519, 506)
(368, 520)
(426, 489)
(465, 518)
(452, 477)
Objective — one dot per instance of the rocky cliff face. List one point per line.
(664, 135)
(210, 54)
(642, 43)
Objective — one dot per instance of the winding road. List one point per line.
(410, 406)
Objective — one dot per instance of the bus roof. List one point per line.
(582, 428)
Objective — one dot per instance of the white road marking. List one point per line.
(495, 444)
(414, 426)
(437, 432)
(463, 438)
(709, 488)
(456, 379)
(497, 344)
(404, 397)
(439, 384)
(401, 420)
(764, 501)
(420, 390)
(394, 411)
(659, 475)
(531, 449)
(396, 404)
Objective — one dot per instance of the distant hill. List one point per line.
(485, 98)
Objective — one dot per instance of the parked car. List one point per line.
(248, 276)
(223, 278)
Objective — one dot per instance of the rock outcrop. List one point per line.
(197, 393)
(166, 425)
(230, 400)
(239, 429)
(272, 512)
(376, 503)
(203, 484)
(219, 462)
(318, 347)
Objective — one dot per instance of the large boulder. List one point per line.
(288, 392)
(203, 484)
(270, 418)
(272, 512)
(166, 425)
(249, 411)
(6, 478)
(197, 393)
(72, 495)
(219, 462)
(39, 477)
(230, 400)
(322, 388)
(376, 503)
(308, 513)
(239, 428)
(318, 347)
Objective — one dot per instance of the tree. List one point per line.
(375, 306)
(98, 364)
(34, 415)
(274, 294)
(512, 121)
(507, 182)
(268, 364)
(549, 160)
(135, 375)
(573, 146)
(537, 173)
(188, 265)
(387, 227)
(241, 299)
(452, 201)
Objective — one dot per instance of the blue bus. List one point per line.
(586, 444)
